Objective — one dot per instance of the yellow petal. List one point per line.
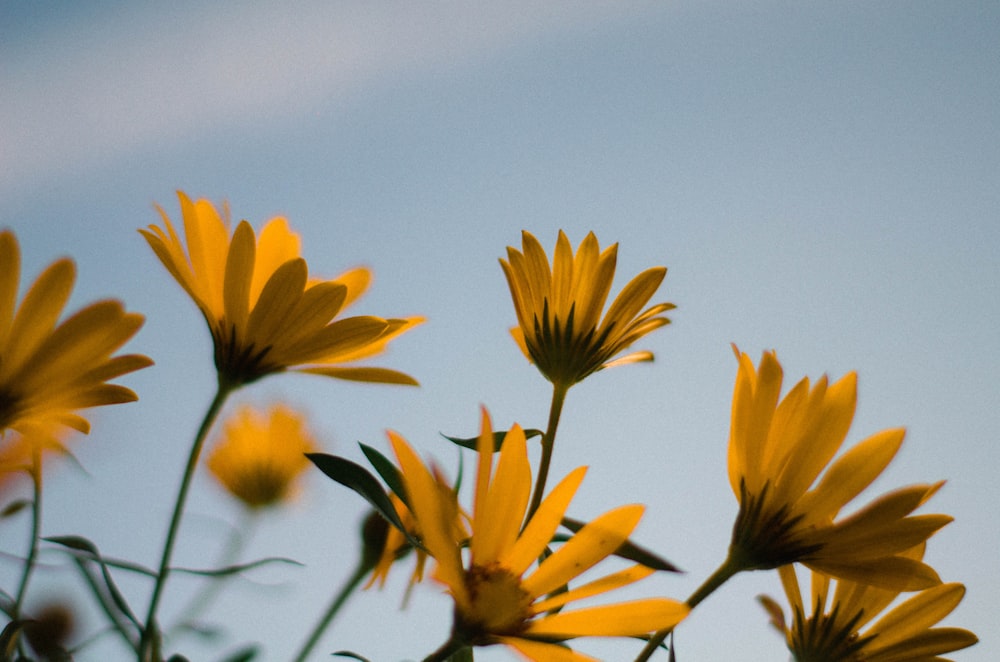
(280, 296)
(538, 533)
(539, 651)
(625, 619)
(239, 271)
(424, 496)
(822, 437)
(926, 645)
(562, 278)
(207, 242)
(919, 613)
(10, 275)
(593, 273)
(276, 245)
(596, 587)
(850, 474)
(356, 281)
(38, 313)
(893, 572)
(498, 521)
(363, 374)
(593, 542)
(632, 298)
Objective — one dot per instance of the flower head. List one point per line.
(260, 456)
(832, 627)
(777, 451)
(395, 545)
(264, 312)
(497, 599)
(559, 308)
(49, 369)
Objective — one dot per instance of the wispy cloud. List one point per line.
(94, 91)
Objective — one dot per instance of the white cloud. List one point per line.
(94, 91)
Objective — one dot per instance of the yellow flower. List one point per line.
(259, 456)
(265, 314)
(497, 601)
(395, 546)
(49, 370)
(559, 308)
(837, 633)
(777, 452)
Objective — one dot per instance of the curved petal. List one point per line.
(540, 651)
(593, 542)
(538, 533)
(625, 619)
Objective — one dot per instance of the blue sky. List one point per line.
(819, 178)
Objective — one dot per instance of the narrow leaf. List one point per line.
(14, 507)
(472, 443)
(353, 656)
(388, 471)
(354, 476)
(234, 569)
(81, 544)
(245, 654)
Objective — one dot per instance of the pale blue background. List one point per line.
(820, 178)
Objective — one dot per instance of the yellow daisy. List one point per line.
(777, 451)
(837, 632)
(395, 546)
(260, 455)
(497, 600)
(51, 369)
(559, 308)
(265, 313)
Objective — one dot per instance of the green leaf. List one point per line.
(630, 550)
(388, 471)
(14, 507)
(354, 476)
(472, 443)
(234, 569)
(245, 654)
(81, 544)
(351, 655)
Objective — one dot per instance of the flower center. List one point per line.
(497, 603)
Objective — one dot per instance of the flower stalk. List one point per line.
(149, 644)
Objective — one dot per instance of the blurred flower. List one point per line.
(559, 308)
(49, 370)
(259, 456)
(776, 454)
(495, 603)
(17, 452)
(837, 633)
(49, 631)
(395, 546)
(265, 314)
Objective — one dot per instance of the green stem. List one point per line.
(149, 645)
(331, 611)
(449, 648)
(729, 567)
(36, 525)
(548, 442)
(235, 543)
